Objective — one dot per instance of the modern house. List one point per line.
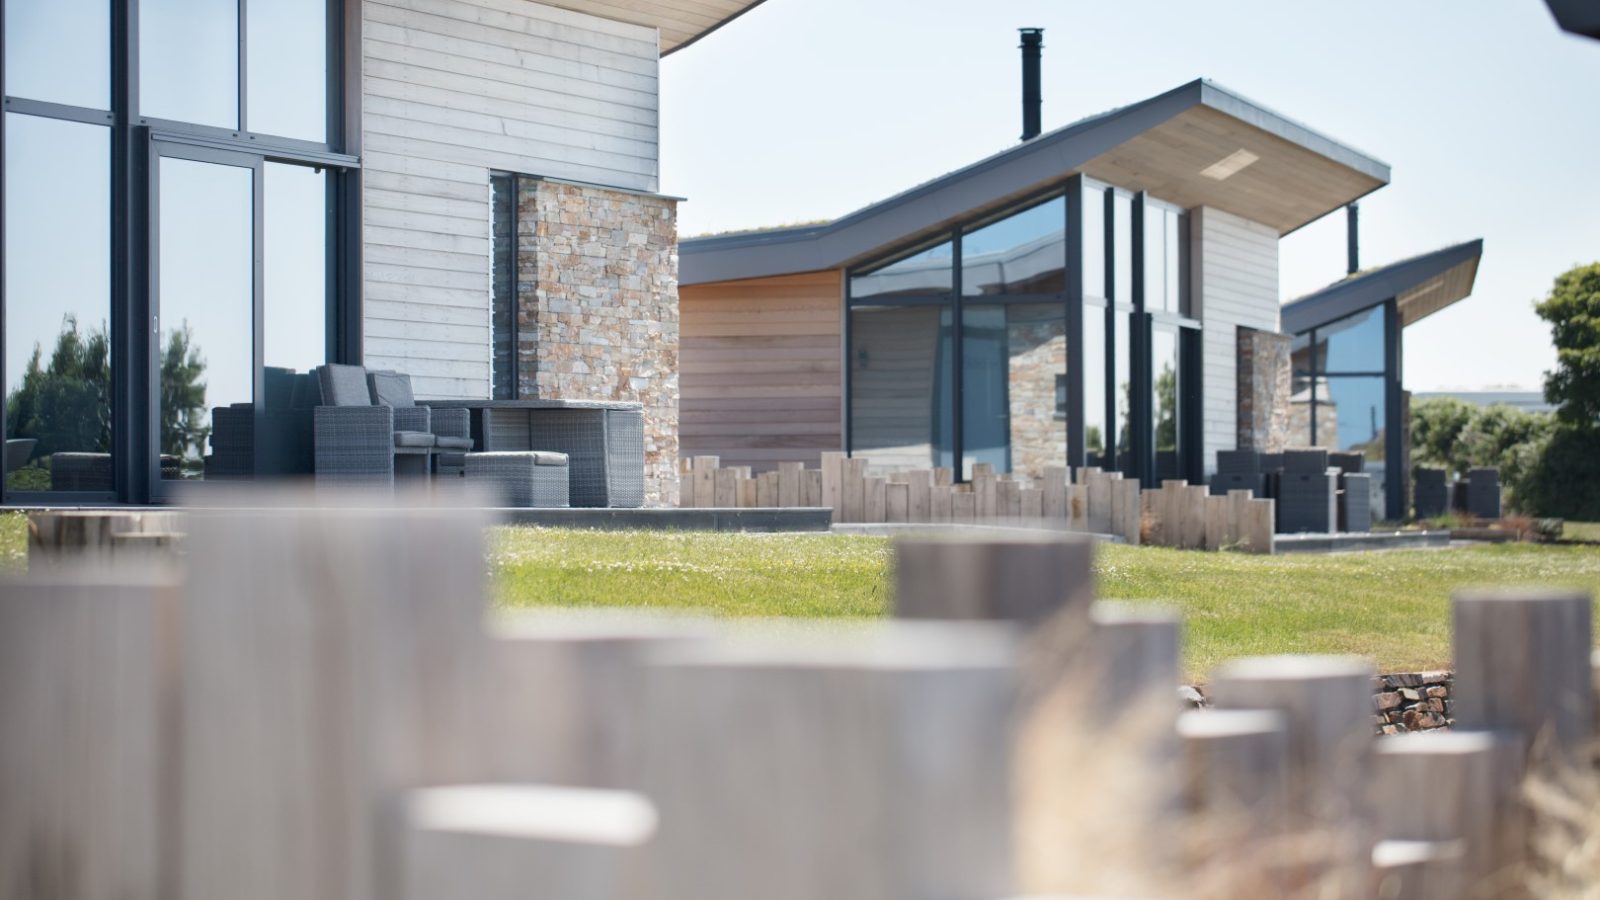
(1102, 294)
(203, 197)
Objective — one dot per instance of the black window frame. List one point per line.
(135, 449)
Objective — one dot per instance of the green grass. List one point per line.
(13, 542)
(1581, 531)
(1392, 607)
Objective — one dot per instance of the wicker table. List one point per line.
(603, 441)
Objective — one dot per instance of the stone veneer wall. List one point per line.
(597, 308)
(1264, 390)
(1036, 341)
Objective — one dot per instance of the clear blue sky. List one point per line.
(808, 109)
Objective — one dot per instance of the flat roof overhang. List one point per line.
(681, 22)
(1420, 286)
(1198, 144)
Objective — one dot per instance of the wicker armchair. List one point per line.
(451, 428)
(353, 441)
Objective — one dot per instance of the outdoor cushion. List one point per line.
(391, 389)
(413, 439)
(547, 458)
(445, 442)
(344, 385)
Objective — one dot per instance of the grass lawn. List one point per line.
(1581, 531)
(1392, 606)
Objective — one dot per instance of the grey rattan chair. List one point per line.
(521, 477)
(353, 440)
(451, 428)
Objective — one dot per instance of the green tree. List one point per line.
(65, 405)
(1167, 409)
(1573, 311)
(183, 396)
(1436, 429)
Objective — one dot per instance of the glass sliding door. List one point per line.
(58, 305)
(206, 336)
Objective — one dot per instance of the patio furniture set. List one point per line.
(1478, 494)
(1315, 490)
(369, 428)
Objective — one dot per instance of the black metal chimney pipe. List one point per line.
(1353, 238)
(1032, 44)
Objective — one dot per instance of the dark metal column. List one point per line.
(1394, 424)
(1140, 415)
(1076, 401)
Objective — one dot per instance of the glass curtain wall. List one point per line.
(243, 186)
(1340, 400)
(1164, 319)
(1003, 284)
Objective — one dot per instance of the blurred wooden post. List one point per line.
(1236, 766)
(747, 487)
(1097, 486)
(876, 509)
(1327, 704)
(685, 483)
(813, 491)
(822, 730)
(726, 493)
(767, 489)
(1077, 507)
(1154, 506)
(1464, 802)
(854, 490)
(1522, 665)
(1125, 493)
(984, 488)
(939, 502)
(332, 658)
(1194, 517)
(919, 505)
(832, 467)
(705, 480)
(897, 502)
(566, 692)
(963, 506)
(1259, 526)
(1026, 576)
(1032, 503)
(1055, 492)
(789, 478)
(87, 699)
(1239, 516)
(1216, 514)
(1419, 870)
(508, 842)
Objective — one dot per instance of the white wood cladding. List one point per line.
(452, 89)
(1235, 273)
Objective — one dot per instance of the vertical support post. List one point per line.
(1141, 423)
(1077, 403)
(1021, 576)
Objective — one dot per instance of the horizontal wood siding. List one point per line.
(450, 90)
(1235, 284)
(759, 380)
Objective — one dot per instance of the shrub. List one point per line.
(1564, 481)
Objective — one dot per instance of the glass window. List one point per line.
(1122, 210)
(1025, 253)
(1012, 355)
(1166, 391)
(295, 311)
(900, 388)
(1094, 385)
(58, 305)
(1155, 259)
(189, 61)
(287, 68)
(1123, 393)
(1094, 242)
(1173, 263)
(1351, 416)
(59, 51)
(503, 286)
(1354, 343)
(1303, 352)
(925, 272)
(206, 286)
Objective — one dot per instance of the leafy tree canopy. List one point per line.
(1573, 311)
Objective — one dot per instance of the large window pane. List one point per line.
(922, 273)
(1351, 416)
(207, 332)
(1095, 437)
(1303, 352)
(1355, 343)
(287, 68)
(1025, 253)
(1013, 368)
(295, 242)
(59, 51)
(58, 283)
(1165, 372)
(1123, 394)
(900, 387)
(1122, 247)
(1094, 242)
(189, 61)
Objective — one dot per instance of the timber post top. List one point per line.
(533, 404)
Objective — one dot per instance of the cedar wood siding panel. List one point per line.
(1235, 284)
(759, 380)
(452, 89)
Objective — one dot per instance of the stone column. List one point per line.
(1264, 385)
